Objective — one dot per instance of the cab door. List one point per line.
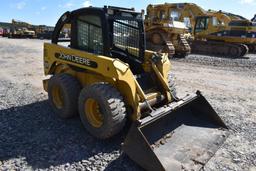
(88, 33)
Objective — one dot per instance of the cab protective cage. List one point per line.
(108, 15)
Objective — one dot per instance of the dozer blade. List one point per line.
(181, 136)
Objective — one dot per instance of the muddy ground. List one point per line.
(33, 138)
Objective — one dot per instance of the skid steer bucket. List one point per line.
(181, 136)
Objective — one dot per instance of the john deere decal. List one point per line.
(76, 59)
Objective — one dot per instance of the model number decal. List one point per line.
(76, 59)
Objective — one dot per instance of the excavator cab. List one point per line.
(105, 74)
(201, 24)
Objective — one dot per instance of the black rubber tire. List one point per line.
(112, 107)
(70, 89)
(172, 85)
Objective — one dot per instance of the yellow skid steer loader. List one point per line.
(104, 73)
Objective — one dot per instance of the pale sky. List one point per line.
(48, 11)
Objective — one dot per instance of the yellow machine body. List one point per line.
(21, 30)
(221, 28)
(110, 79)
(110, 70)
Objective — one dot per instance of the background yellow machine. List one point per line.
(215, 32)
(21, 29)
(105, 74)
(163, 33)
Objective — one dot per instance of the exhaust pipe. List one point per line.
(182, 135)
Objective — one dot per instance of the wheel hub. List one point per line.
(58, 98)
(93, 113)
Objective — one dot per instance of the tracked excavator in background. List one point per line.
(105, 74)
(216, 32)
(163, 34)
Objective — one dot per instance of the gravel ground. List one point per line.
(231, 91)
(33, 138)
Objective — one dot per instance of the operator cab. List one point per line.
(109, 31)
(201, 24)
